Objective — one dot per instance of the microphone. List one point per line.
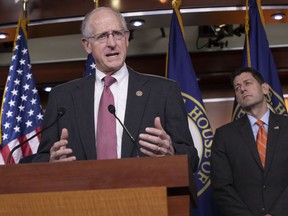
(112, 110)
(61, 112)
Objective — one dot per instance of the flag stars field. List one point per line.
(40, 116)
(14, 92)
(22, 62)
(26, 87)
(35, 91)
(11, 103)
(24, 51)
(17, 82)
(24, 97)
(5, 136)
(9, 114)
(19, 118)
(28, 76)
(20, 105)
(28, 123)
(33, 101)
(21, 108)
(7, 125)
(16, 129)
(31, 112)
(19, 71)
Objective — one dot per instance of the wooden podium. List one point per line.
(132, 186)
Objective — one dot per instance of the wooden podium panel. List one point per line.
(171, 172)
(111, 202)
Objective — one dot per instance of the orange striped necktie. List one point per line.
(261, 141)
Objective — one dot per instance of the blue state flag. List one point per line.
(21, 113)
(262, 60)
(180, 69)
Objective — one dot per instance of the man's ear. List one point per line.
(86, 44)
(265, 88)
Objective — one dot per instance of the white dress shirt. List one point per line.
(119, 90)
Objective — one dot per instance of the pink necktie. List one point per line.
(261, 141)
(106, 140)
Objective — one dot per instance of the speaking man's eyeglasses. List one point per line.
(103, 37)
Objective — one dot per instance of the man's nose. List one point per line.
(242, 88)
(111, 40)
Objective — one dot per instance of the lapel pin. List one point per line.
(139, 93)
(276, 127)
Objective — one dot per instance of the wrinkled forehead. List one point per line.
(104, 21)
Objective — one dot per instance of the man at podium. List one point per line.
(115, 112)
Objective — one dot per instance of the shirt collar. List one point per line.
(264, 118)
(118, 75)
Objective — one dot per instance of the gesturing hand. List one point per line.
(59, 152)
(156, 142)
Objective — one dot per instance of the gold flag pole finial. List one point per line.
(25, 3)
(96, 3)
(23, 21)
(176, 3)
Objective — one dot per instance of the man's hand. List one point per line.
(58, 151)
(156, 142)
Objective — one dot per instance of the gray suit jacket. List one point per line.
(161, 97)
(241, 186)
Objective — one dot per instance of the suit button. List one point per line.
(262, 211)
(264, 186)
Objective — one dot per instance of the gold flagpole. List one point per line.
(260, 12)
(247, 34)
(175, 5)
(96, 3)
(23, 20)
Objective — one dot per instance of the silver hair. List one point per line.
(85, 24)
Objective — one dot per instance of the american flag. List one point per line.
(90, 65)
(21, 113)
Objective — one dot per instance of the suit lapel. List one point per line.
(273, 131)
(84, 109)
(248, 137)
(137, 97)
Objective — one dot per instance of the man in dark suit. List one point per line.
(243, 183)
(151, 107)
